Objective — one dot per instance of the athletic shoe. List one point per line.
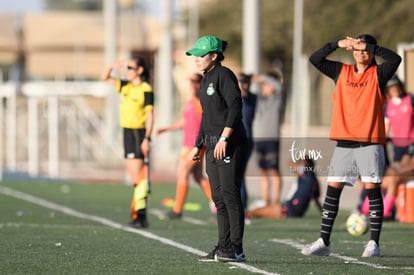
(210, 257)
(173, 215)
(317, 248)
(230, 255)
(371, 249)
(140, 222)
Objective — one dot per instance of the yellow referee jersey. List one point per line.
(135, 102)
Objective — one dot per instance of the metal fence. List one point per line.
(53, 127)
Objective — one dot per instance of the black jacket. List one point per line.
(220, 98)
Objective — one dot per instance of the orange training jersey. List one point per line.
(358, 113)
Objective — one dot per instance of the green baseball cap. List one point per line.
(205, 45)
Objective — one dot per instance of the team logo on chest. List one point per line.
(210, 89)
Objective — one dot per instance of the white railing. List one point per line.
(53, 123)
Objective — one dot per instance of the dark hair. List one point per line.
(395, 81)
(140, 62)
(223, 48)
(274, 75)
(368, 39)
(309, 162)
(245, 78)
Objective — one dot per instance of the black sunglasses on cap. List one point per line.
(131, 68)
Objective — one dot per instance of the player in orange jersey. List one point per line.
(357, 125)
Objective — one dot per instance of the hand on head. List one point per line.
(350, 43)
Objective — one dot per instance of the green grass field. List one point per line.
(75, 228)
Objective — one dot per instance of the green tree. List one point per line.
(70, 5)
(389, 21)
(324, 21)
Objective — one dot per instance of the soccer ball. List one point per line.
(357, 224)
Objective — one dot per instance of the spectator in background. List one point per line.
(296, 206)
(399, 114)
(399, 124)
(398, 173)
(266, 132)
(190, 124)
(248, 109)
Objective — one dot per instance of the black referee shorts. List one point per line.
(132, 143)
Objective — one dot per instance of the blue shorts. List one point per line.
(267, 154)
(399, 152)
(294, 208)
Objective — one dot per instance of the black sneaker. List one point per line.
(210, 257)
(140, 222)
(173, 215)
(230, 255)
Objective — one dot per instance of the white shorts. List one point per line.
(367, 162)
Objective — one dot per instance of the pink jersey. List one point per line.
(192, 120)
(401, 118)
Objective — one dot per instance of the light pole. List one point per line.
(251, 36)
(300, 91)
(111, 111)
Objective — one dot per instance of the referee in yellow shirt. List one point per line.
(136, 119)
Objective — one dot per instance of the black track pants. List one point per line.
(225, 178)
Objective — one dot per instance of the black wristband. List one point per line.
(149, 138)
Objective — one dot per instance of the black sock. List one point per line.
(329, 212)
(142, 212)
(376, 213)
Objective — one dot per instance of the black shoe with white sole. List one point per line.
(230, 255)
(210, 257)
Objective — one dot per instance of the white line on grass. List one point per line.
(71, 212)
(347, 259)
(35, 225)
(161, 215)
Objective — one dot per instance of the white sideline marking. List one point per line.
(347, 259)
(43, 225)
(71, 212)
(161, 215)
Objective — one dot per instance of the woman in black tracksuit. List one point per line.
(222, 131)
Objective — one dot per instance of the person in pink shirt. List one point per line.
(399, 122)
(189, 124)
(399, 115)
(399, 125)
